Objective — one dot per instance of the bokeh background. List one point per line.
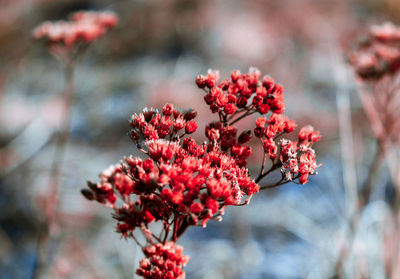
(153, 57)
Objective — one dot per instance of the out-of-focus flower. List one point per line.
(84, 27)
(379, 53)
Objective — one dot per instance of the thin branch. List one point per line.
(175, 229)
(279, 183)
(156, 237)
(247, 113)
(137, 242)
(263, 162)
(273, 167)
(166, 229)
(373, 174)
(56, 173)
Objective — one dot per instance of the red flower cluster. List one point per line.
(152, 125)
(181, 180)
(297, 159)
(247, 94)
(183, 183)
(379, 53)
(377, 63)
(234, 94)
(163, 261)
(84, 27)
(226, 137)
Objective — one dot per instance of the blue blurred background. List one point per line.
(150, 58)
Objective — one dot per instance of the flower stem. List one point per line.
(45, 233)
(373, 174)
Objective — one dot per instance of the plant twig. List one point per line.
(55, 174)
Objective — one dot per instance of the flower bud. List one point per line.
(244, 137)
(89, 195)
(191, 126)
(190, 114)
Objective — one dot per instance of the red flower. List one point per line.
(163, 261)
(196, 208)
(191, 127)
(84, 27)
(185, 183)
(230, 108)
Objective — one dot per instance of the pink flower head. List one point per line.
(84, 27)
(379, 54)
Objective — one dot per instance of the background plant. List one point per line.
(67, 42)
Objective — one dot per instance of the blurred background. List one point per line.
(150, 58)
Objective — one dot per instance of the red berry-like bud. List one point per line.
(230, 108)
(191, 127)
(190, 114)
(235, 75)
(176, 113)
(278, 106)
(314, 136)
(290, 125)
(148, 217)
(244, 137)
(261, 121)
(268, 82)
(166, 194)
(214, 108)
(148, 165)
(246, 92)
(271, 130)
(224, 85)
(155, 121)
(305, 132)
(259, 132)
(242, 102)
(209, 99)
(212, 78)
(134, 135)
(212, 205)
(277, 89)
(231, 98)
(216, 92)
(233, 89)
(236, 150)
(261, 91)
(179, 123)
(263, 108)
(257, 100)
(246, 152)
(222, 100)
(145, 264)
(270, 148)
(240, 85)
(201, 81)
(303, 178)
(196, 208)
(148, 113)
(212, 134)
(168, 109)
(89, 195)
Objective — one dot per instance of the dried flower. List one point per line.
(185, 183)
